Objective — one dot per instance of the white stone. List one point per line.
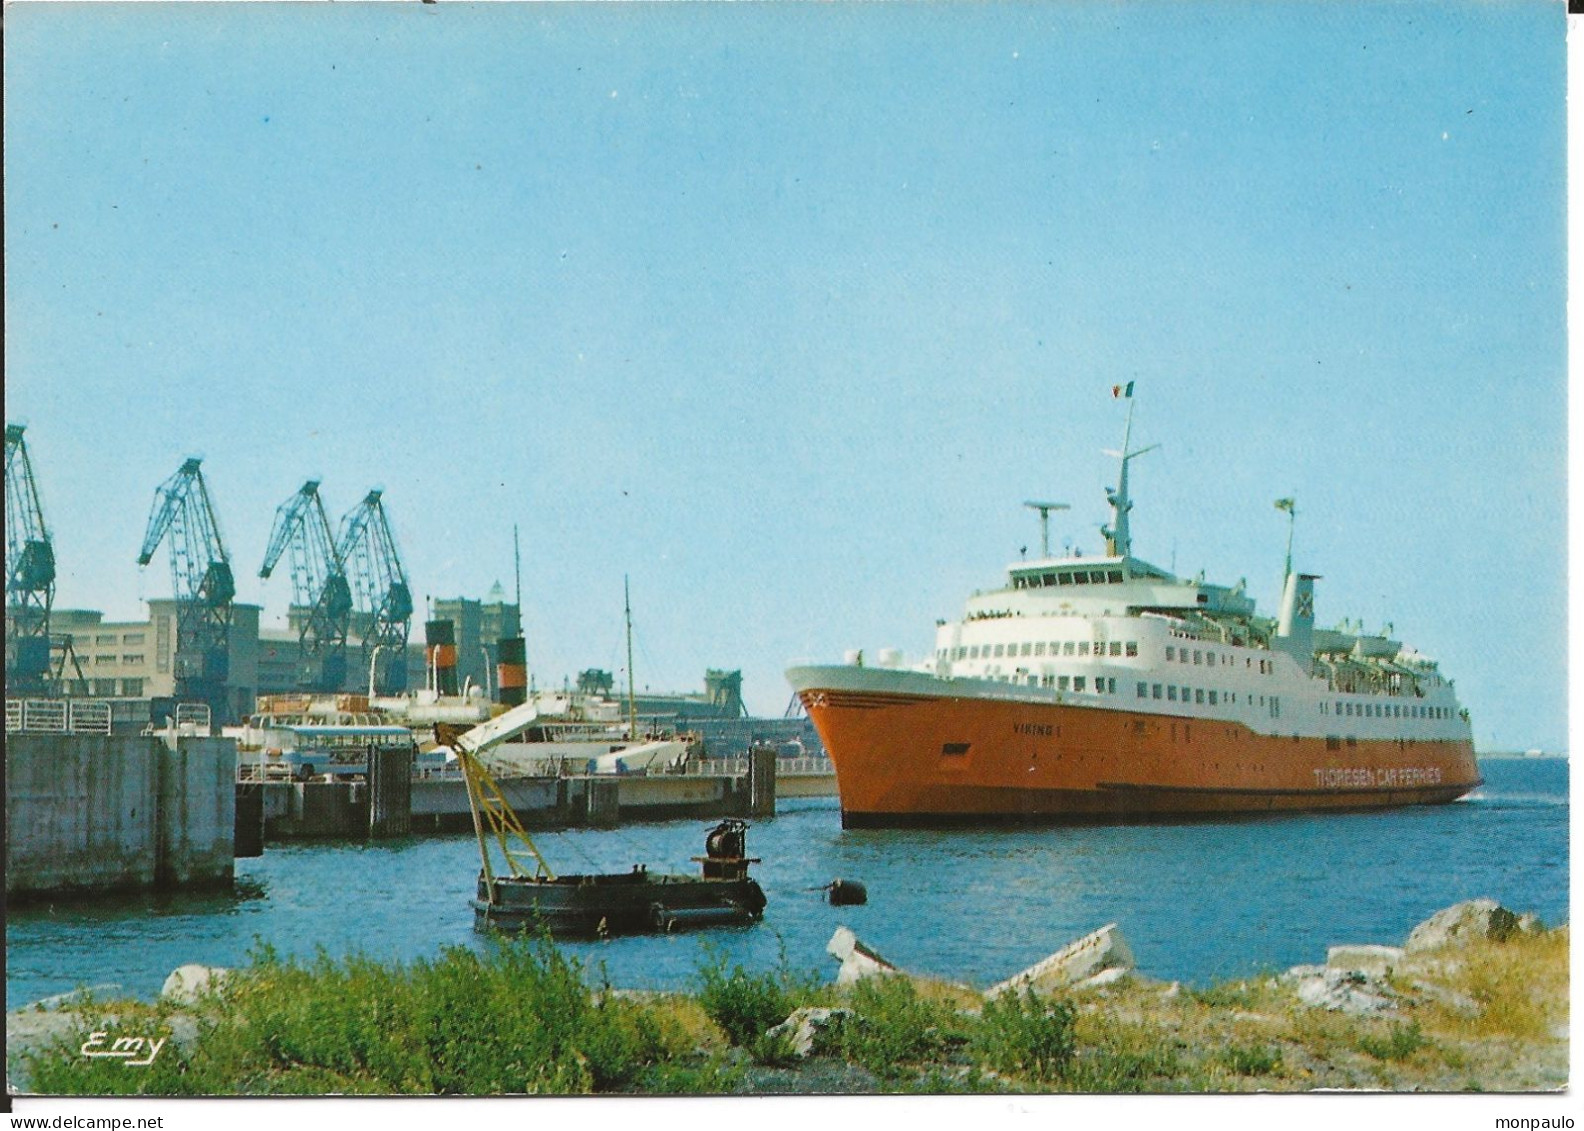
(1342, 991)
(188, 983)
(1376, 961)
(857, 960)
(1098, 951)
(1463, 923)
(804, 1027)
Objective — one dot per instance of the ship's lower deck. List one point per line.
(909, 758)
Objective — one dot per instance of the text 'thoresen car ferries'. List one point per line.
(1106, 688)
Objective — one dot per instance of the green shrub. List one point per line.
(1024, 1036)
(1250, 1060)
(1399, 1044)
(744, 1005)
(892, 1027)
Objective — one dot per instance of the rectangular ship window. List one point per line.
(1132, 647)
(1143, 691)
(1083, 647)
(1026, 649)
(1067, 648)
(1061, 683)
(1081, 578)
(954, 749)
(1155, 691)
(1078, 683)
(1171, 653)
(1198, 695)
(1198, 656)
(1039, 648)
(1097, 576)
(1065, 578)
(1115, 648)
(1050, 579)
(1000, 650)
(1114, 576)
(1212, 698)
(1171, 693)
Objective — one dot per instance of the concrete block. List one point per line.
(1097, 951)
(857, 960)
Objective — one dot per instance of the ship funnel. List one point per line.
(511, 671)
(1295, 628)
(441, 655)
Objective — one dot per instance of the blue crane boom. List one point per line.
(321, 596)
(379, 585)
(202, 583)
(30, 574)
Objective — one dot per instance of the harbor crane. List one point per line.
(321, 596)
(202, 583)
(30, 575)
(379, 588)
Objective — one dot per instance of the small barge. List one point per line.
(611, 903)
(590, 904)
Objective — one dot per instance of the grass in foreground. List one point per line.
(523, 1018)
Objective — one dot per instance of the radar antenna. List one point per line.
(1044, 513)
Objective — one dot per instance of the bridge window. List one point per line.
(1097, 576)
(1064, 578)
(1050, 579)
(1114, 576)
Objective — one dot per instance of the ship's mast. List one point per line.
(632, 700)
(1119, 541)
(1291, 507)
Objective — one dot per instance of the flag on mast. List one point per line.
(1285, 505)
(1122, 390)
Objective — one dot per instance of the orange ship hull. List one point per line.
(922, 759)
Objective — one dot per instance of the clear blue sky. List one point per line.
(783, 310)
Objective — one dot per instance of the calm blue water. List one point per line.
(1198, 902)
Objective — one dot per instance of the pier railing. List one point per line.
(57, 716)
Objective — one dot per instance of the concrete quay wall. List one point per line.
(117, 812)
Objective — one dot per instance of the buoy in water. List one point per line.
(843, 893)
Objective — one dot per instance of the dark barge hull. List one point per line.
(615, 903)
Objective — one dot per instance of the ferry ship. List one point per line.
(1105, 688)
